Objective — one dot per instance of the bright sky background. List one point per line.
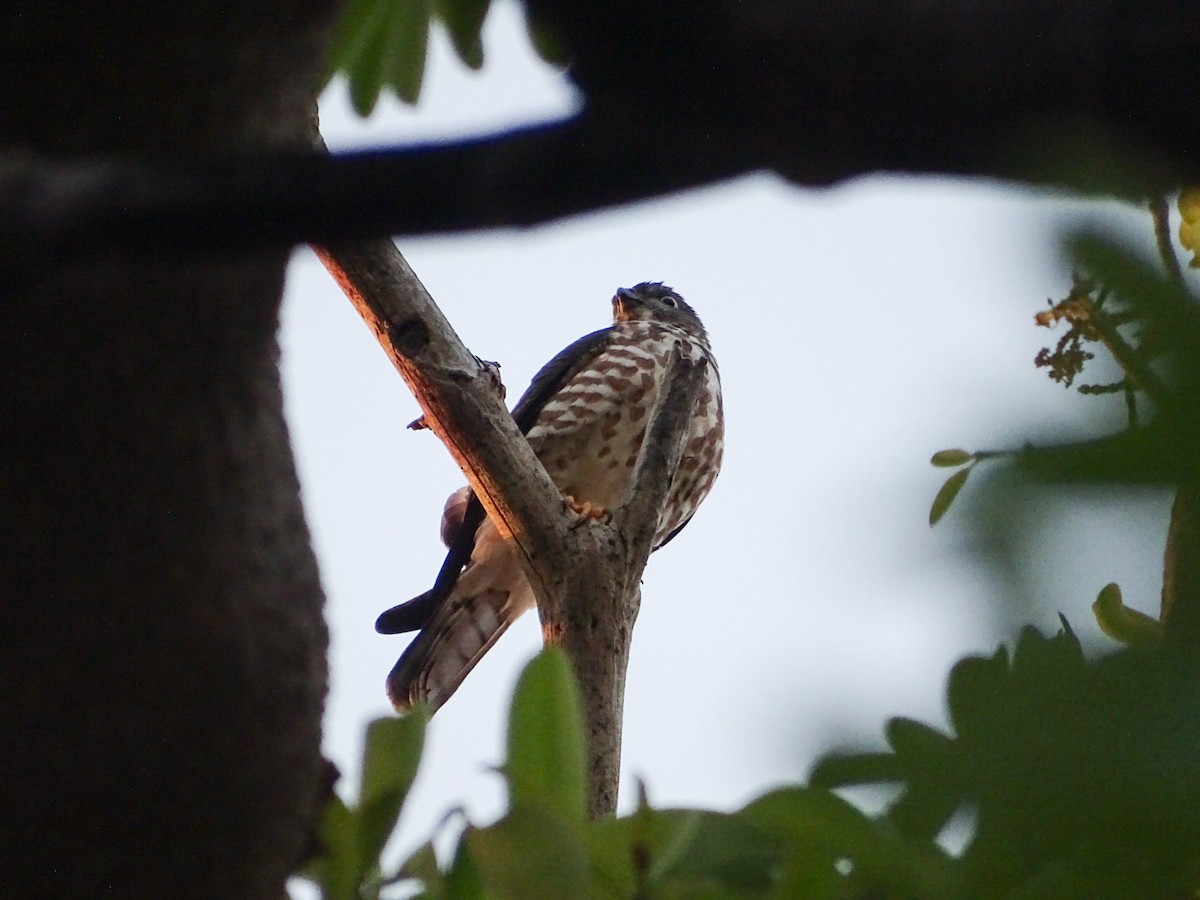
(858, 330)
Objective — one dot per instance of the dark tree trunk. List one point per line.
(162, 670)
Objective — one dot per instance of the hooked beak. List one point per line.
(624, 303)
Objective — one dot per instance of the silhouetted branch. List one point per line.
(1069, 93)
(82, 209)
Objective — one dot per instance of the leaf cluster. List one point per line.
(1158, 358)
(544, 846)
(381, 45)
(1189, 226)
(1160, 363)
(353, 836)
(1083, 777)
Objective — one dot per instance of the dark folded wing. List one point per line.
(554, 374)
(417, 612)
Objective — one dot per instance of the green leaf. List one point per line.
(353, 838)
(977, 685)
(682, 853)
(1119, 622)
(367, 68)
(423, 867)
(676, 832)
(949, 459)
(820, 829)
(341, 868)
(546, 752)
(918, 741)
(613, 855)
(925, 806)
(930, 762)
(547, 44)
(531, 852)
(1039, 660)
(723, 850)
(381, 44)
(855, 768)
(391, 754)
(463, 881)
(407, 41)
(1056, 879)
(946, 495)
(464, 23)
(352, 31)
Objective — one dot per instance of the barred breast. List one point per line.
(589, 433)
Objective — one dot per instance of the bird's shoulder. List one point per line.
(554, 374)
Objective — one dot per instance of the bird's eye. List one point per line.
(669, 301)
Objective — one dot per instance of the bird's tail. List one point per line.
(460, 632)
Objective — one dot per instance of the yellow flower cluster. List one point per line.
(1189, 228)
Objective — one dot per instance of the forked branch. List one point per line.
(585, 573)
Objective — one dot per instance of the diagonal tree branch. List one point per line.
(458, 394)
(585, 573)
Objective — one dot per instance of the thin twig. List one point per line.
(1139, 372)
(1180, 612)
(1161, 213)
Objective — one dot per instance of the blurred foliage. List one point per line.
(353, 837)
(382, 44)
(1124, 624)
(1144, 316)
(1189, 226)
(1083, 777)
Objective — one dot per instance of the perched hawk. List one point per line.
(585, 415)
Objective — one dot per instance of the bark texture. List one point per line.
(163, 674)
(585, 573)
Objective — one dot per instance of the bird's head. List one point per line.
(653, 301)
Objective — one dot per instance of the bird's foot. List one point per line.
(586, 509)
(491, 370)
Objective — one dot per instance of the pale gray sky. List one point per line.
(858, 330)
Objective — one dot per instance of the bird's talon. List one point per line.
(586, 509)
(491, 371)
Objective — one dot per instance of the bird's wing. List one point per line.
(670, 537)
(554, 374)
(489, 597)
(418, 612)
